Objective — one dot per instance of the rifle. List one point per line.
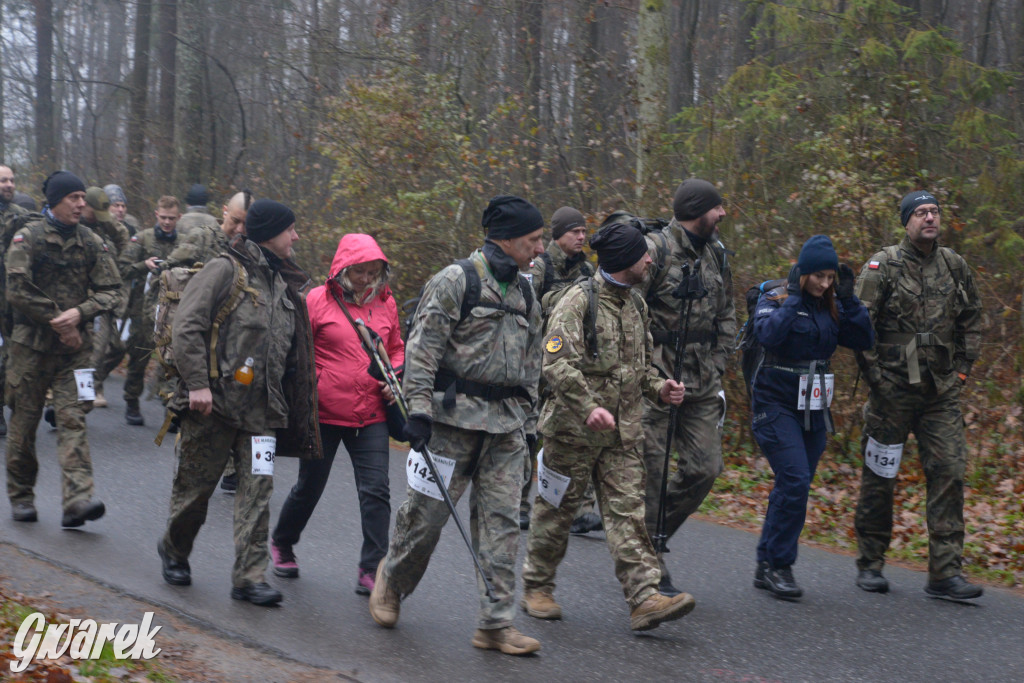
(690, 289)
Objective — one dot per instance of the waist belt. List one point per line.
(911, 341)
(809, 368)
(669, 337)
(451, 384)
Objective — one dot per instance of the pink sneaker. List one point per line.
(364, 586)
(285, 564)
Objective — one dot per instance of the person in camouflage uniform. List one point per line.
(60, 276)
(196, 214)
(561, 264)
(10, 215)
(107, 341)
(697, 209)
(221, 411)
(471, 390)
(597, 366)
(139, 264)
(927, 315)
(119, 208)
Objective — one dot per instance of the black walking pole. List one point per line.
(380, 357)
(689, 290)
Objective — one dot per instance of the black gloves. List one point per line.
(844, 282)
(793, 288)
(417, 430)
(375, 372)
(531, 443)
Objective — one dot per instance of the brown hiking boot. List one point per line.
(508, 640)
(100, 401)
(385, 602)
(658, 609)
(541, 605)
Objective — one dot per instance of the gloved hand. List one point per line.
(531, 443)
(844, 282)
(793, 288)
(417, 430)
(375, 372)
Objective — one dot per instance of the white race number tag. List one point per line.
(816, 393)
(83, 381)
(418, 474)
(263, 449)
(550, 484)
(882, 459)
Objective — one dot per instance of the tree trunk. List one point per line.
(652, 83)
(166, 50)
(138, 118)
(46, 142)
(188, 119)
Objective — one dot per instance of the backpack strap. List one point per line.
(590, 317)
(549, 273)
(239, 287)
(662, 251)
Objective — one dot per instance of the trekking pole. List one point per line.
(380, 357)
(689, 290)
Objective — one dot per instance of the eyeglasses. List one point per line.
(921, 213)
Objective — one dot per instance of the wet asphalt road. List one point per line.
(736, 633)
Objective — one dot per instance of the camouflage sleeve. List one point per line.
(104, 284)
(132, 261)
(652, 381)
(532, 368)
(186, 251)
(435, 320)
(22, 292)
(563, 348)
(537, 278)
(870, 289)
(967, 329)
(654, 277)
(194, 318)
(725, 323)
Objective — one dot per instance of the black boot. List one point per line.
(779, 581)
(132, 414)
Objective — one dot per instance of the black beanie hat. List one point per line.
(507, 217)
(816, 255)
(694, 198)
(267, 219)
(913, 200)
(564, 220)
(197, 196)
(59, 185)
(618, 247)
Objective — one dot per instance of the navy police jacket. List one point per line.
(794, 330)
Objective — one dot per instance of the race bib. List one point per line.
(819, 399)
(83, 382)
(550, 484)
(883, 460)
(263, 449)
(419, 477)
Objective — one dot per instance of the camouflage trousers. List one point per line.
(698, 442)
(205, 445)
(29, 375)
(107, 347)
(938, 425)
(617, 474)
(140, 349)
(493, 464)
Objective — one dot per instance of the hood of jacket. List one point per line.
(356, 248)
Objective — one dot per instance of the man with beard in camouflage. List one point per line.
(597, 366)
(10, 213)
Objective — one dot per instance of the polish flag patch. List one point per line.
(873, 265)
(18, 238)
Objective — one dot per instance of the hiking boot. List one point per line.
(364, 584)
(257, 593)
(24, 512)
(658, 609)
(872, 581)
(81, 512)
(229, 483)
(132, 415)
(385, 602)
(779, 581)
(286, 565)
(3, 423)
(540, 605)
(508, 640)
(956, 587)
(50, 416)
(585, 523)
(524, 518)
(175, 573)
(100, 401)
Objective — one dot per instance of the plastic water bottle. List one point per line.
(243, 375)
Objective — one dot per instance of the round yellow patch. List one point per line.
(554, 344)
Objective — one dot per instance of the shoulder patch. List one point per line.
(18, 238)
(873, 265)
(135, 238)
(554, 344)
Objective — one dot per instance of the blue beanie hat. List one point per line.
(816, 255)
(912, 200)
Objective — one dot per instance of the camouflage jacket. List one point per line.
(9, 215)
(928, 299)
(616, 381)
(132, 263)
(114, 233)
(561, 275)
(489, 347)
(202, 244)
(712, 324)
(270, 325)
(47, 274)
(196, 217)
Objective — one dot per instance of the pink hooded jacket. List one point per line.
(349, 397)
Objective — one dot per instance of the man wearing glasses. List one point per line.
(926, 311)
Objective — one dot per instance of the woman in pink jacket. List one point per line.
(352, 403)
